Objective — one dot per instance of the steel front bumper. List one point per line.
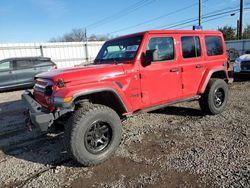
(38, 116)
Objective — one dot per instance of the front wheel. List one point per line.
(93, 133)
(215, 97)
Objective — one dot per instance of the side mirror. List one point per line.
(150, 56)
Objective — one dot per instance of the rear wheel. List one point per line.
(93, 134)
(215, 97)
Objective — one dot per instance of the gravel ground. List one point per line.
(173, 147)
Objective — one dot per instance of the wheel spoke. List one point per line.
(97, 126)
(90, 133)
(103, 131)
(104, 138)
(100, 141)
(92, 143)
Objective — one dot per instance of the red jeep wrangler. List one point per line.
(135, 73)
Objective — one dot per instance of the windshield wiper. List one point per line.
(104, 61)
(114, 60)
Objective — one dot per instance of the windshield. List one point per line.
(119, 50)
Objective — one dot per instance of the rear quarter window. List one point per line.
(214, 45)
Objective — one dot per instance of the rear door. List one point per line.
(7, 75)
(161, 81)
(193, 63)
(25, 71)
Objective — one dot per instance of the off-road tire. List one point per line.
(208, 98)
(80, 124)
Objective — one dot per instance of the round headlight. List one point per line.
(60, 83)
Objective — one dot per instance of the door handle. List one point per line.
(174, 70)
(199, 66)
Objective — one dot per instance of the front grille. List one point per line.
(44, 86)
(245, 65)
(48, 91)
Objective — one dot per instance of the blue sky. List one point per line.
(41, 20)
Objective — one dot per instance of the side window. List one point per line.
(214, 46)
(23, 64)
(41, 63)
(5, 66)
(191, 47)
(164, 46)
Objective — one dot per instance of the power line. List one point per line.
(154, 19)
(223, 16)
(217, 16)
(169, 26)
(190, 20)
(121, 13)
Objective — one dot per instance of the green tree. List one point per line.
(246, 33)
(228, 32)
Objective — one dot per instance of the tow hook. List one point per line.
(28, 123)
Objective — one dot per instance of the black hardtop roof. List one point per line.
(185, 32)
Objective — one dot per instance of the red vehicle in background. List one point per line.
(135, 73)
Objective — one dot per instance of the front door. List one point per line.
(7, 75)
(161, 81)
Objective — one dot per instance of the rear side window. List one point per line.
(22, 64)
(164, 46)
(191, 47)
(214, 46)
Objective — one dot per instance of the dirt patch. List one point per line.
(173, 179)
(154, 146)
(113, 170)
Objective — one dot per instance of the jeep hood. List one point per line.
(91, 73)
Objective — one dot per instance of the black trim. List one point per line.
(118, 84)
(100, 90)
(38, 116)
(167, 104)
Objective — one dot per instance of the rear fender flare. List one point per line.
(207, 77)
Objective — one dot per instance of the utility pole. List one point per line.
(200, 12)
(241, 19)
(238, 29)
(86, 45)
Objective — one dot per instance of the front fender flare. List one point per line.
(97, 90)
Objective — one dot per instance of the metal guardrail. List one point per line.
(240, 45)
